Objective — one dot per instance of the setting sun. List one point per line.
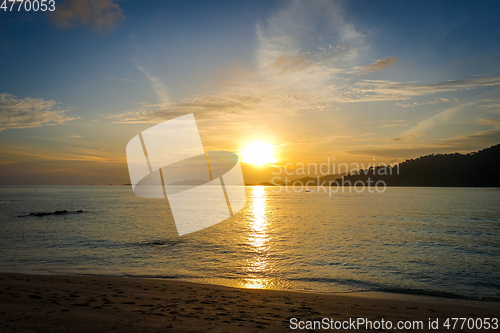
(258, 153)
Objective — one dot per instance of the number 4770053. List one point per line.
(28, 5)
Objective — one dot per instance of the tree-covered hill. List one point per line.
(476, 169)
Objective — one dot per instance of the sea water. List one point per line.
(436, 241)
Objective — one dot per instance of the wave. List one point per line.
(439, 293)
(167, 242)
(373, 286)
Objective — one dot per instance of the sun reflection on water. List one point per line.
(258, 267)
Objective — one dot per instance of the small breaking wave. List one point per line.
(439, 293)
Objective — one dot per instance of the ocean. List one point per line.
(428, 241)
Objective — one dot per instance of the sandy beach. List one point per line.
(56, 303)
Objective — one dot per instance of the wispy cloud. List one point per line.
(29, 112)
(285, 64)
(32, 153)
(477, 140)
(98, 15)
(406, 137)
(461, 143)
(379, 65)
(158, 86)
(434, 101)
(382, 90)
(222, 105)
(447, 116)
(392, 123)
(489, 122)
(116, 79)
(296, 31)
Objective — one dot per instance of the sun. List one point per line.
(258, 153)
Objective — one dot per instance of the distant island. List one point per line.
(476, 169)
(260, 184)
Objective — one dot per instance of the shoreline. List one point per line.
(94, 303)
(411, 294)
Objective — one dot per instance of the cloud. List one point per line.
(458, 143)
(29, 112)
(99, 15)
(67, 153)
(159, 88)
(477, 140)
(489, 122)
(402, 153)
(296, 32)
(282, 144)
(451, 116)
(493, 106)
(406, 137)
(223, 105)
(382, 90)
(443, 117)
(116, 79)
(434, 101)
(379, 65)
(465, 114)
(231, 74)
(392, 123)
(285, 64)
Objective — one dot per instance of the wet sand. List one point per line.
(56, 303)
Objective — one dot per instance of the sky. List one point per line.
(355, 81)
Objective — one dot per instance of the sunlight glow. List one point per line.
(258, 266)
(258, 153)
